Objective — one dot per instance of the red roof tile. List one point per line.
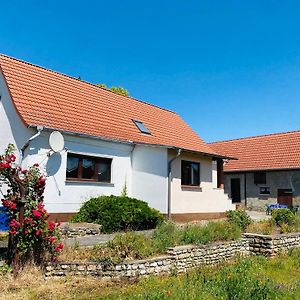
(266, 152)
(44, 97)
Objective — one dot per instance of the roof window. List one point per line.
(141, 127)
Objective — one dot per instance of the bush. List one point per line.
(283, 216)
(239, 218)
(212, 231)
(116, 213)
(165, 236)
(131, 245)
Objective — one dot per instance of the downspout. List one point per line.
(245, 189)
(170, 181)
(39, 130)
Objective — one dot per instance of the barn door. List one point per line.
(285, 196)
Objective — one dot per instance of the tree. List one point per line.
(116, 89)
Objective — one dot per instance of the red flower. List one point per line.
(13, 231)
(28, 220)
(38, 232)
(52, 239)
(24, 171)
(14, 223)
(13, 205)
(6, 203)
(5, 165)
(36, 165)
(51, 225)
(37, 213)
(11, 158)
(40, 206)
(26, 231)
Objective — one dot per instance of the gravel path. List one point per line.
(258, 215)
(89, 241)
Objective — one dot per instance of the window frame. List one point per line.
(199, 174)
(257, 176)
(137, 123)
(96, 161)
(265, 188)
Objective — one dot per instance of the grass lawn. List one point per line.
(251, 278)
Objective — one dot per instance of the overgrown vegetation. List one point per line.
(283, 221)
(254, 278)
(239, 218)
(118, 213)
(133, 245)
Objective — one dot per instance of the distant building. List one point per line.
(267, 170)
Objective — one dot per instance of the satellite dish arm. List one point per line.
(39, 130)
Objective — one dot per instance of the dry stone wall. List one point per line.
(182, 258)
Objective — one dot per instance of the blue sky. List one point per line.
(229, 68)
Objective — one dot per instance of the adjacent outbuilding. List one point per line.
(267, 170)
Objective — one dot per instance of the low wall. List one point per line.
(69, 230)
(182, 258)
(270, 245)
(178, 259)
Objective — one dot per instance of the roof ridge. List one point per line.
(255, 136)
(84, 81)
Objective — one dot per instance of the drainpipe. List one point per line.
(39, 130)
(170, 181)
(245, 189)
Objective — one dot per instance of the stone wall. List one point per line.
(69, 230)
(178, 259)
(270, 245)
(182, 258)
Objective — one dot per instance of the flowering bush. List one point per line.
(31, 231)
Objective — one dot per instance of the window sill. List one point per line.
(191, 188)
(74, 181)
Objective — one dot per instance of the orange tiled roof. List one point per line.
(44, 97)
(266, 152)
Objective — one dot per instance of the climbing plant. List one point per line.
(32, 236)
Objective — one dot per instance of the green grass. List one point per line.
(254, 278)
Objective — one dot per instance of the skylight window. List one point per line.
(141, 127)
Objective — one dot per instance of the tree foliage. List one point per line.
(116, 89)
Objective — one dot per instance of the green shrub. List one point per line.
(212, 231)
(283, 216)
(116, 213)
(239, 218)
(129, 245)
(165, 236)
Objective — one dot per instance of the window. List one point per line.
(190, 173)
(141, 127)
(88, 168)
(260, 178)
(264, 190)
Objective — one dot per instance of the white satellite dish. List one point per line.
(56, 141)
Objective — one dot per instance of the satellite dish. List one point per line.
(56, 141)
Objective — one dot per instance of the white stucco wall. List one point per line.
(150, 176)
(12, 128)
(63, 196)
(208, 198)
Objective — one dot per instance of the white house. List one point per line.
(110, 140)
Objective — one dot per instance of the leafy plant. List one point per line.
(131, 245)
(30, 231)
(166, 235)
(212, 231)
(283, 216)
(117, 213)
(239, 218)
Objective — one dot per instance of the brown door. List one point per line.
(285, 196)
